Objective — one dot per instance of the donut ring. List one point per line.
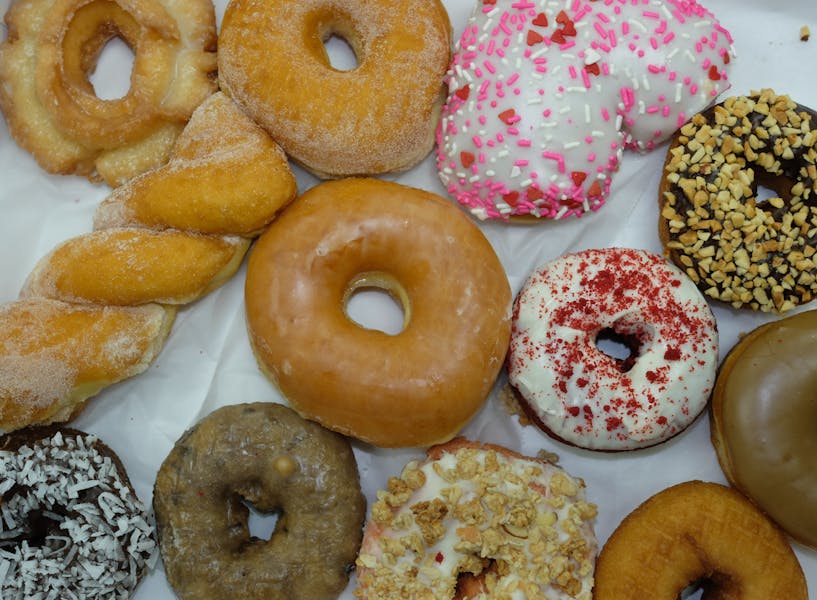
(265, 454)
(388, 390)
(579, 394)
(478, 516)
(763, 406)
(73, 526)
(698, 532)
(51, 107)
(738, 249)
(376, 118)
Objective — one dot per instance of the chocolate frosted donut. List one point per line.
(71, 524)
(266, 455)
(737, 247)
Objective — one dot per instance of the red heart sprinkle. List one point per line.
(534, 194)
(726, 58)
(593, 69)
(595, 190)
(562, 17)
(714, 74)
(463, 92)
(507, 116)
(511, 198)
(534, 38)
(467, 159)
(578, 177)
(558, 37)
(541, 20)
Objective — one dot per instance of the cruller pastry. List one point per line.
(52, 108)
(98, 307)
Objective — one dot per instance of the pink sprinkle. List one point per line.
(600, 30)
(477, 141)
(654, 43)
(605, 114)
(521, 162)
(513, 131)
(591, 157)
(693, 89)
(490, 67)
(512, 79)
(666, 111)
(524, 143)
(572, 71)
(557, 157)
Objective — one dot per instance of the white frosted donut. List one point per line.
(544, 95)
(476, 518)
(581, 395)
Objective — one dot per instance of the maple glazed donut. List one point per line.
(266, 455)
(52, 108)
(508, 525)
(375, 118)
(73, 526)
(698, 533)
(763, 409)
(414, 388)
(544, 96)
(583, 396)
(739, 249)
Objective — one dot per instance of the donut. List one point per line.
(698, 533)
(98, 308)
(51, 107)
(544, 96)
(265, 455)
(740, 249)
(417, 387)
(73, 526)
(581, 395)
(375, 118)
(521, 525)
(763, 406)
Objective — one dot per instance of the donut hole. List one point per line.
(341, 46)
(340, 53)
(621, 346)
(111, 76)
(377, 301)
(261, 524)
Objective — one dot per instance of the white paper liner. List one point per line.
(207, 361)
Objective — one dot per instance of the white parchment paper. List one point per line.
(207, 361)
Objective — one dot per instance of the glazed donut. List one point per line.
(266, 455)
(375, 118)
(521, 524)
(51, 107)
(73, 526)
(698, 533)
(738, 248)
(763, 406)
(98, 307)
(544, 96)
(414, 388)
(582, 396)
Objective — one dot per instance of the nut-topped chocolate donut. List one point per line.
(737, 247)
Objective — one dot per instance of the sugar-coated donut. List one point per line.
(509, 525)
(762, 416)
(98, 308)
(581, 395)
(73, 526)
(52, 108)
(265, 455)
(375, 118)
(739, 249)
(544, 96)
(698, 533)
(414, 388)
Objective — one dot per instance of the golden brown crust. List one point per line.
(737, 249)
(98, 308)
(53, 110)
(411, 389)
(264, 454)
(698, 532)
(761, 417)
(376, 118)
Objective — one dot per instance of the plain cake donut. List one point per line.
(266, 455)
(581, 395)
(698, 533)
(414, 388)
(375, 118)
(762, 416)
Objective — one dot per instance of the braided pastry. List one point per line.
(97, 308)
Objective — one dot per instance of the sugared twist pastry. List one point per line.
(377, 117)
(72, 525)
(509, 525)
(97, 308)
(739, 249)
(762, 421)
(544, 95)
(698, 534)
(52, 108)
(263, 454)
(581, 395)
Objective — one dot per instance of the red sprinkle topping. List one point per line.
(541, 20)
(534, 38)
(714, 74)
(439, 557)
(467, 159)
